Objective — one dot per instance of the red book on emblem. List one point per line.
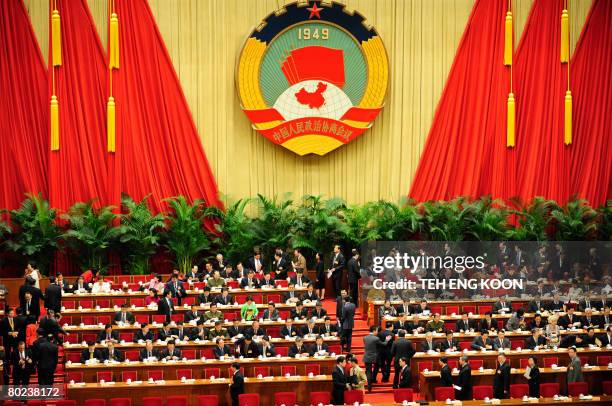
(315, 63)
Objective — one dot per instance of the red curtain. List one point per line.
(591, 82)
(24, 111)
(78, 171)
(465, 152)
(158, 148)
(540, 84)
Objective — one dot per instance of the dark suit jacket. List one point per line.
(269, 352)
(237, 386)
(221, 352)
(534, 382)
(28, 368)
(53, 297)
(530, 343)
(353, 273)
(402, 348)
(36, 294)
(488, 325)
(446, 377)
(348, 316)
(478, 342)
(162, 334)
(224, 300)
(245, 282)
(444, 345)
(96, 354)
(501, 381)
(164, 308)
(302, 314)
(295, 331)
(314, 348)
(129, 317)
(318, 314)
(5, 328)
(234, 331)
(323, 329)
(45, 354)
(143, 354)
(404, 380)
(117, 354)
(180, 292)
(251, 264)
(102, 336)
(337, 265)
(249, 351)
(464, 381)
(144, 337)
(165, 353)
(461, 325)
(305, 280)
(293, 350)
(339, 381)
(34, 310)
(305, 330)
(426, 347)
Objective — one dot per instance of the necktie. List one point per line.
(123, 317)
(22, 355)
(319, 348)
(108, 336)
(588, 304)
(11, 323)
(28, 306)
(91, 355)
(149, 354)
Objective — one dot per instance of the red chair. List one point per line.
(519, 390)
(95, 402)
(284, 314)
(274, 298)
(207, 353)
(120, 402)
(152, 401)
(208, 372)
(137, 301)
(288, 369)
(208, 400)
(248, 399)
(184, 373)
(176, 317)
(483, 391)
(548, 390)
(133, 286)
(603, 360)
(66, 403)
(142, 318)
(274, 332)
(320, 398)
(189, 354)
(73, 357)
(465, 345)
(89, 337)
(436, 309)
(35, 403)
(523, 362)
(157, 375)
(445, 392)
(423, 365)
(449, 325)
(484, 309)
(127, 337)
(12, 403)
(107, 376)
(549, 361)
(158, 318)
(282, 283)
(404, 394)
(476, 363)
(514, 344)
(103, 303)
(241, 299)
(199, 285)
(88, 320)
(74, 376)
(263, 371)
(451, 309)
(453, 363)
(86, 304)
(104, 319)
(233, 284)
(124, 278)
(335, 349)
(469, 309)
(352, 396)
(189, 301)
(285, 398)
(139, 278)
(69, 304)
(500, 324)
(259, 300)
(315, 369)
(607, 387)
(132, 355)
(131, 375)
(282, 351)
(176, 401)
(577, 388)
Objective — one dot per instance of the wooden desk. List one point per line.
(490, 358)
(198, 366)
(596, 401)
(593, 376)
(265, 387)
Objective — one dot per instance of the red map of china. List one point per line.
(315, 99)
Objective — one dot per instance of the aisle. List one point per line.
(381, 392)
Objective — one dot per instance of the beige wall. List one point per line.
(204, 38)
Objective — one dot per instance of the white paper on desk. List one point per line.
(457, 387)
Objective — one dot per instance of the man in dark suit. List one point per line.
(248, 348)
(171, 352)
(310, 294)
(428, 344)
(221, 349)
(165, 333)
(348, 322)
(91, 352)
(165, 305)
(124, 316)
(501, 381)
(250, 281)
(44, 353)
(108, 334)
(488, 323)
(501, 342)
(319, 347)
(298, 348)
(588, 320)
(80, 286)
(144, 334)
(401, 349)
(536, 305)
(337, 267)
(300, 280)
(266, 349)
(463, 387)
(31, 307)
(176, 288)
(482, 341)
(23, 365)
(237, 383)
(353, 275)
(310, 328)
(502, 305)
(53, 295)
(29, 286)
(340, 381)
(225, 298)
(446, 376)
(299, 312)
(149, 352)
(110, 353)
(267, 280)
(289, 330)
(404, 373)
(450, 343)
(555, 304)
(256, 262)
(318, 312)
(464, 324)
(372, 345)
(535, 340)
(236, 329)
(569, 320)
(10, 328)
(49, 323)
(328, 329)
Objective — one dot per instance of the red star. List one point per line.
(314, 11)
